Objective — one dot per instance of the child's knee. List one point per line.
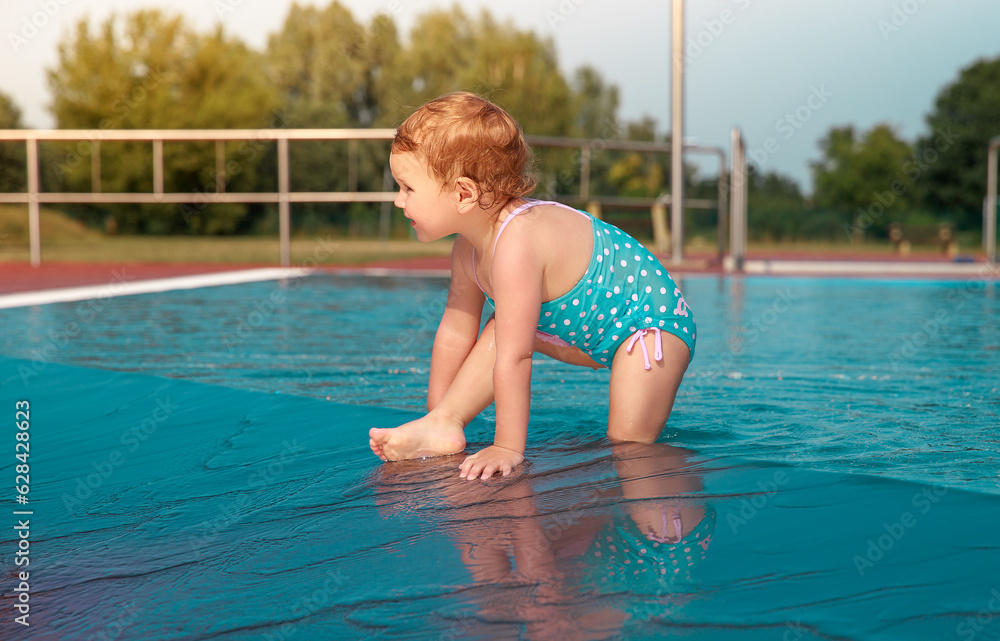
(630, 434)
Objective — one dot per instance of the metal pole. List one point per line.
(677, 135)
(585, 173)
(661, 235)
(385, 220)
(737, 177)
(734, 199)
(352, 165)
(723, 217)
(34, 227)
(284, 226)
(991, 203)
(986, 215)
(95, 167)
(158, 167)
(744, 199)
(220, 166)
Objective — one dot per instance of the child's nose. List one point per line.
(400, 200)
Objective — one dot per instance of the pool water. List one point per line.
(200, 470)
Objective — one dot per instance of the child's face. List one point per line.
(431, 207)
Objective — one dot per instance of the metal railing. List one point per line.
(658, 205)
(283, 197)
(34, 197)
(990, 211)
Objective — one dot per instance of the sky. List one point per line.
(783, 71)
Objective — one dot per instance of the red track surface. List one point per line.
(20, 277)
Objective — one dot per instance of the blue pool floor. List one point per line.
(171, 509)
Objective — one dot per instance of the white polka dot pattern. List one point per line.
(617, 285)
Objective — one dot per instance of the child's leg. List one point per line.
(442, 430)
(641, 399)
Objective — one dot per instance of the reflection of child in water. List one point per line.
(603, 556)
(562, 283)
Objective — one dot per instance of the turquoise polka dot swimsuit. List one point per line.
(622, 560)
(625, 292)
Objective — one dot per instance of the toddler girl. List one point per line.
(561, 282)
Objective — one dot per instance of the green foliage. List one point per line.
(450, 51)
(638, 175)
(776, 210)
(864, 177)
(322, 68)
(877, 178)
(54, 225)
(334, 72)
(12, 154)
(596, 118)
(951, 169)
(596, 105)
(148, 69)
(10, 114)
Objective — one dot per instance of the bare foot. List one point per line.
(428, 436)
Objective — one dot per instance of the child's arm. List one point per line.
(517, 290)
(459, 328)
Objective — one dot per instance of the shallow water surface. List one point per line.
(829, 472)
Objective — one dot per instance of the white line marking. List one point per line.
(808, 267)
(392, 271)
(128, 288)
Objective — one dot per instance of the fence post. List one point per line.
(284, 224)
(385, 218)
(991, 204)
(352, 165)
(677, 134)
(722, 221)
(220, 166)
(737, 201)
(158, 167)
(661, 234)
(95, 167)
(585, 173)
(34, 226)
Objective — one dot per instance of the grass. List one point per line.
(54, 225)
(67, 240)
(173, 249)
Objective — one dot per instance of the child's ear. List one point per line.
(466, 193)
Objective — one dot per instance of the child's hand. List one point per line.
(493, 459)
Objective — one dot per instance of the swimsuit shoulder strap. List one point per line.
(524, 207)
(474, 274)
(510, 217)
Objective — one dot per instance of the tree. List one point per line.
(776, 208)
(520, 72)
(449, 51)
(12, 154)
(331, 70)
(335, 72)
(950, 160)
(596, 105)
(148, 69)
(864, 177)
(441, 45)
(640, 175)
(595, 108)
